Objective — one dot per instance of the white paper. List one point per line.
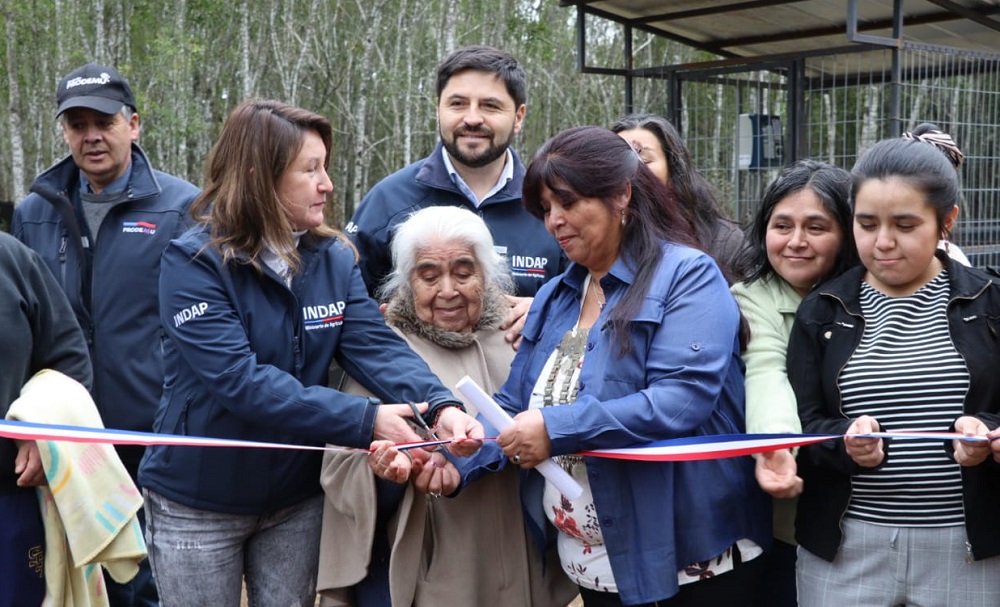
(489, 408)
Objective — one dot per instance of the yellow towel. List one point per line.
(90, 503)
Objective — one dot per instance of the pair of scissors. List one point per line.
(422, 427)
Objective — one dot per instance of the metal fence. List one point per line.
(743, 121)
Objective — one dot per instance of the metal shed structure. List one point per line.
(788, 79)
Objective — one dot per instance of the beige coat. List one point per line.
(469, 550)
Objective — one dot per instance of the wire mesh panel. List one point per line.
(742, 123)
(734, 124)
(958, 91)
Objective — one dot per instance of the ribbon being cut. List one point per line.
(675, 450)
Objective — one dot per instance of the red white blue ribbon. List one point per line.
(710, 447)
(78, 434)
(718, 446)
(672, 450)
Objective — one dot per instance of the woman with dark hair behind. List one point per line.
(906, 341)
(637, 341)
(799, 237)
(660, 146)
(257, 301)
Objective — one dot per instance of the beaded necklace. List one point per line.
(568, 356)
(566, 361)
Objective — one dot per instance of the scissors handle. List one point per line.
(418, 420)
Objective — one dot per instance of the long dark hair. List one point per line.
(832, 185)
(698, 198)
(594, 162)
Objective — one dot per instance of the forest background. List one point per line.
(367, 65)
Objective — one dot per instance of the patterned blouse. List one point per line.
(580, 542)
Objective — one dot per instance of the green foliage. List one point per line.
(187, 70)
(369, 66)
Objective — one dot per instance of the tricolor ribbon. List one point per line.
(718, 446)
(78, 434)
(672, 450)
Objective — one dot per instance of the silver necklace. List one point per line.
(598, 292)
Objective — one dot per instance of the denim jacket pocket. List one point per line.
(629, 373)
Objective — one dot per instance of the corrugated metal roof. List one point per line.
(751, 29)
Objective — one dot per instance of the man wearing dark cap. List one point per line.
(100, 218)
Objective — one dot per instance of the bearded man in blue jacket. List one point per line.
(481, 107)
(100, 219)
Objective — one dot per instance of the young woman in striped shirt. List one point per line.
(907, 342)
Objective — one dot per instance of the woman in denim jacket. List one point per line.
(637, 341)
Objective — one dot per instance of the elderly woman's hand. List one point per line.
(436, 475)
(866, 452)
(526, 442)
(390, 463)
(514, 323)
(456, 424)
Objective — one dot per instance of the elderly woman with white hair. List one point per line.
(388, 544)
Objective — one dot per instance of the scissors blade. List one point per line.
(418, 421)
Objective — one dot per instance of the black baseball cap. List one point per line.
(98, 87)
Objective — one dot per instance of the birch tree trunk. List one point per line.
(118, 47)
(303, 52)
(14, 109)
(955, 113)
(100, 53)
(408, 99)
(291, 41)
(247, 77)
(830, 118)
(450, 19)
(57, 18)
(869, 125)
(372, 22)
(182, 84)
(919, 100)
(717, 128)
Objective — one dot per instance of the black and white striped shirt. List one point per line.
(907, 374)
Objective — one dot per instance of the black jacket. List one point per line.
(38, 330)
(827, 330)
